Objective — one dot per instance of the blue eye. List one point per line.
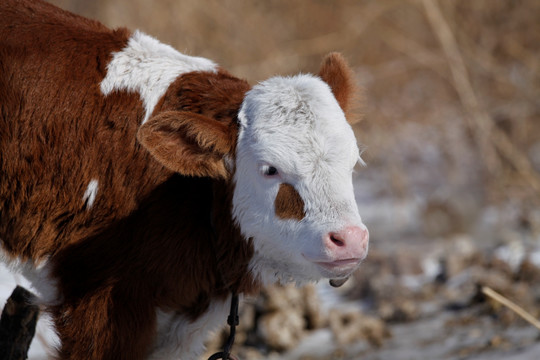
(270, 171)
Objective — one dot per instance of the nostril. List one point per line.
(349, 243)
(336, 239)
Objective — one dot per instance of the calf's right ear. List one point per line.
(188, 143)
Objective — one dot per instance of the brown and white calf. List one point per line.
(139, 186)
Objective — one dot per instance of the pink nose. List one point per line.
(348, 243)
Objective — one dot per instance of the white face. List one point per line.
(292, 131)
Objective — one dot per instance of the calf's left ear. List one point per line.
(338, 75)
(188, 143)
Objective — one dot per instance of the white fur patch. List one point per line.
(37, 274)
(90, 194)
(148, 67)
(295, 125)
(180, 338)
(36, 278)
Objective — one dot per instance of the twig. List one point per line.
(511, 305)
(481, 124)
(414, 50)
(487, 134)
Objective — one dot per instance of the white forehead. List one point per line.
(296, 120)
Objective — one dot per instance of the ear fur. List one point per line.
(338, 75)
(188, 143)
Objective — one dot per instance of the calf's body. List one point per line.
(129, 188)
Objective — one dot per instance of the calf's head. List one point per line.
(294, 162)
(290, 156)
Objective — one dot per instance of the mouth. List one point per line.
(338, 269)
(338, 264)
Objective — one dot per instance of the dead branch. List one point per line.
(511, 305)
(488, 136)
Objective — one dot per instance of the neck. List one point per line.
(233, 252)
(271, 271)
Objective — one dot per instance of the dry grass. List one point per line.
(452, 86)
(511, 305)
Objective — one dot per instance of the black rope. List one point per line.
(233, 321)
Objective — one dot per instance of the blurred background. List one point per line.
(451, 191)
(451, 102)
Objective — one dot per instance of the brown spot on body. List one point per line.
(289, 203)
(194, 126)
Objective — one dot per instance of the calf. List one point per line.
(140, 187)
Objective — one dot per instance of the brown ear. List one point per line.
(188, 143)
(337, 74)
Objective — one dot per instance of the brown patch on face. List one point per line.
(289, 203)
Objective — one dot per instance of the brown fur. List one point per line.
(153, 238)
(160, 232)
(336, 73)
(194, 116)
(289, 204)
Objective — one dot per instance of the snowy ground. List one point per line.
(395, 226)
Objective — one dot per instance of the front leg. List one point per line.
(106, 324)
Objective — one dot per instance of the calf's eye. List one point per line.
(270, 171)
